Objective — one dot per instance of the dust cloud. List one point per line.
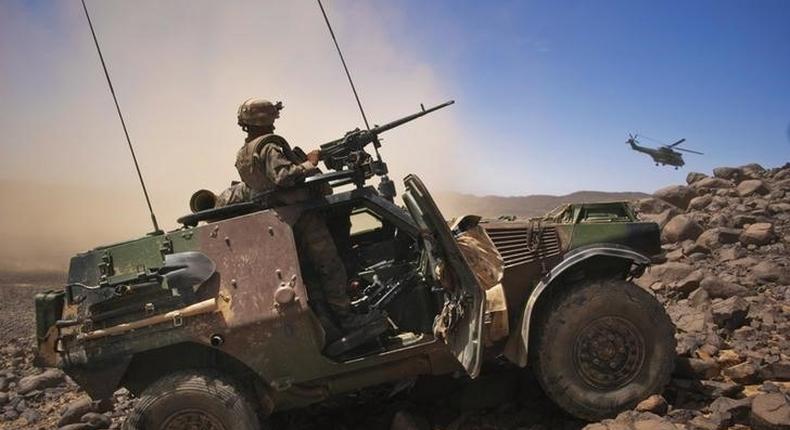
(180, 70)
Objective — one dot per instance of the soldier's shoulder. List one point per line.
(272, 142)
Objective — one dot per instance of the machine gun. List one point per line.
(352, 164)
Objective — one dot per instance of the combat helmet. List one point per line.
(258, 112)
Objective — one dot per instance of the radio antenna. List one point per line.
(123, 123)
(345, 67)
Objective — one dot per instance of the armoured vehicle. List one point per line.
(214, 325)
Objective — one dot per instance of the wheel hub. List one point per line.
(192, 420)
(609, 352)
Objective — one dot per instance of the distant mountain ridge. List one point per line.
(453, 204)
(45, 224)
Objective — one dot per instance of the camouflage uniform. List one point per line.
(268, 166)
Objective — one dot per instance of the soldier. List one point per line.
(272, 171)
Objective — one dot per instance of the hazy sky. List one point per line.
(546, 91)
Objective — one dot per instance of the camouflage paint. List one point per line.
(255, 256)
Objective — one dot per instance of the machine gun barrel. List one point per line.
(398, 122)
(357, 139)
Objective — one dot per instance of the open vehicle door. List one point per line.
(460, 322)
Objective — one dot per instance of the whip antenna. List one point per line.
(345, 67)
(123, 123)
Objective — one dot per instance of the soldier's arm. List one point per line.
(281, 170)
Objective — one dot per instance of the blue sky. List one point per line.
(560, 84)
(546, 91)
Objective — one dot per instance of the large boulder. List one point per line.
(730, 173)
(678, 195)
(663, 218)
(718, 236)
(713, 183)
(752, 170)
(752, 186)
(771, 412)
(783, 185)
(694, 177)
(680, 228)
(700, 202)
(781, 174)
(761, 233)
(652, 205)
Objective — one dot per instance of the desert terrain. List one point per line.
(725, 284)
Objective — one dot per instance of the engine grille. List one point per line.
(523, 245)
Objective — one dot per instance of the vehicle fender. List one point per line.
(517, 348)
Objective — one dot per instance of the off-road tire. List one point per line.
(193, 399)
(601, 346)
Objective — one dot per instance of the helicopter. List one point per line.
(665, 155)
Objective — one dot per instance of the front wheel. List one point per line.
(601, 347)
(193, 400)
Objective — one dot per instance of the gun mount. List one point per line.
(353, 165)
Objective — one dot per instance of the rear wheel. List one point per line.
(193, 400)
(601, 347)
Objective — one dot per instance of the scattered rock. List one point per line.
(677, 195)
(655, 404)
(76, 409)
(666, 273)
(732, 253)
(96, 420)
(732, 410)
(49, 378)
(720, 289)
(751, 187)
(771, 412)
(652, 205)
(769, 271)
(730, 173)
(744, 373)
(663, 218)
(696, 368)
(761, 233)
(701, 202)
(730, 313)
(32, 416)
(688, 284)
(680, 228)
(694, 177)
(718, 236)
(728, 358)
(407, 420)
(634, 420)
(777, 371)
(713, 184)
(78, 426)
(752, 170)
(715, 389)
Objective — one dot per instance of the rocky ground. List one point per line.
(725, 284)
